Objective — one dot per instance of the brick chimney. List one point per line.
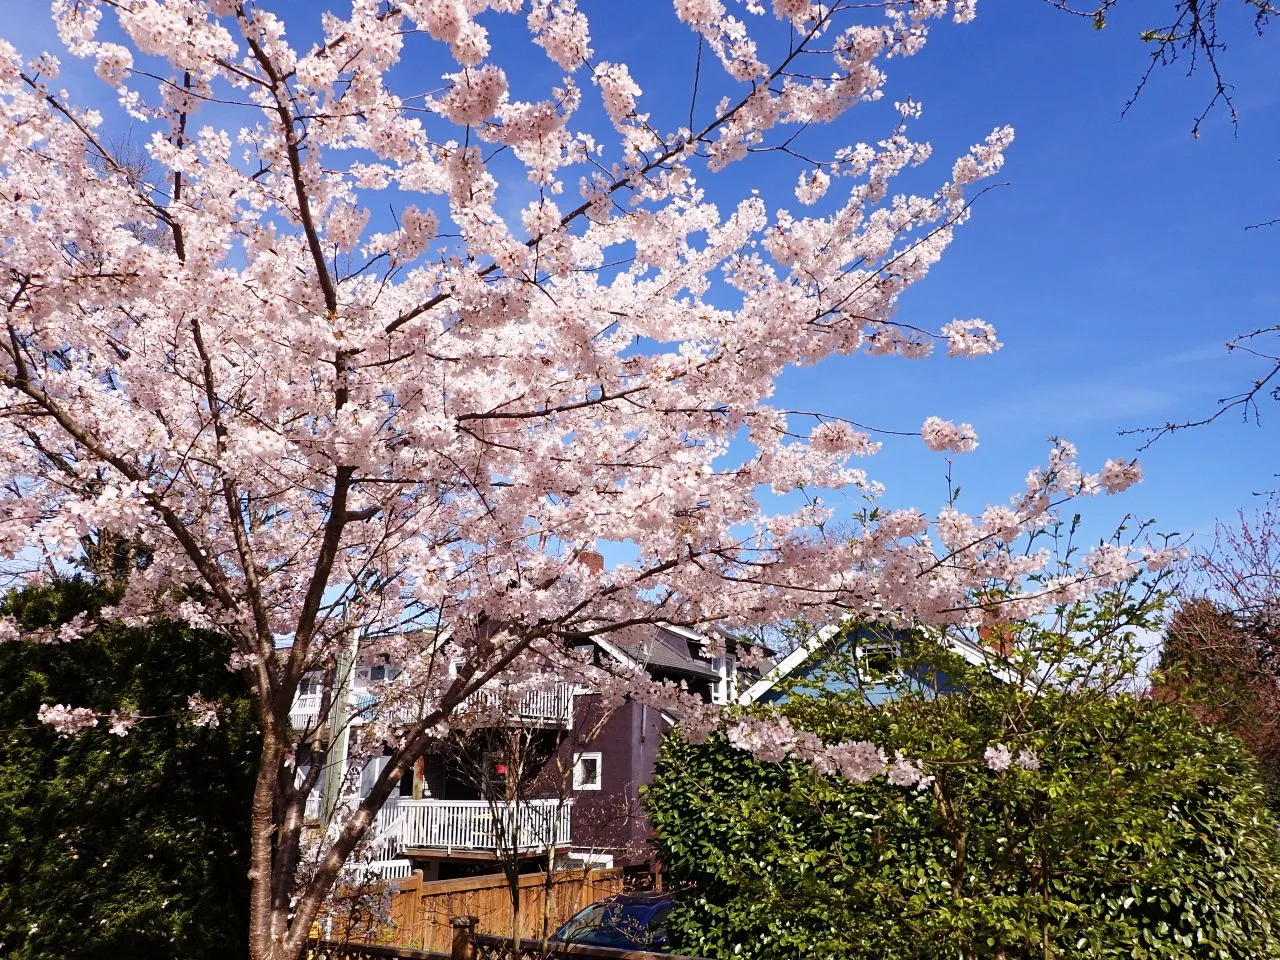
(998, 637)
(592, 560)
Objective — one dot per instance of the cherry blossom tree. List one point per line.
(340, 389)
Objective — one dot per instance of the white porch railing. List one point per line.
(551, 706)
(479, 825)
(390, 869)
(356, 871)
(385, 831)
(305, 710)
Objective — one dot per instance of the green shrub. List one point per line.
(111, 847)
(1143, 834)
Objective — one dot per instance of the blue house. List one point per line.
(867, 658)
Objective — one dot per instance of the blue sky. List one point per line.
(1114, 262)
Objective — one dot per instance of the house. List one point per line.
(548, 773)
(615, 755)
(868, 657)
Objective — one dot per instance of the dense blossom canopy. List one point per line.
(299, 348)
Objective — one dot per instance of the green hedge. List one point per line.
(1143, 835)
(110, 847)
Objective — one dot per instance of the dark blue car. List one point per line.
(629, 921)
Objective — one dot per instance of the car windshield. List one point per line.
(612, 925)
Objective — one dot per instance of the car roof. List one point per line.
(647, 899)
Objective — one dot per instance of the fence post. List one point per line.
(464, 938)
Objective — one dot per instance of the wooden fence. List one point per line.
(421, 911)
(479, 948)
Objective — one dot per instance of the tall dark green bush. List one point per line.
(121, 847)
(1143, 834)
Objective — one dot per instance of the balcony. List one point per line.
(551, 707)
(305, 711)
(478, 826)
(548, 707)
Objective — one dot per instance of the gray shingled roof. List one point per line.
(670, 652)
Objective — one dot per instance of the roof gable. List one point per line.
(816, 650)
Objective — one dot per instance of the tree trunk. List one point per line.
(266, 927)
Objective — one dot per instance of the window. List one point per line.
(879, 659)
(494, 781)
(372, 770)
(725, 689)
(586, 771)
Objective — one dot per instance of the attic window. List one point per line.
(879, 658)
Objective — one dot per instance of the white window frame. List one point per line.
(725, 689)
(579, 783)
(891, 647)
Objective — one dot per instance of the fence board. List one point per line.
(487, 948)
(421, 910)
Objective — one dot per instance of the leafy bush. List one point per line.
(1142, 834)
(116, 847)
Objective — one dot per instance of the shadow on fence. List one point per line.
(470, 919)
(422, 911)
(469, 945)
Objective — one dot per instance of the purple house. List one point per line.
(551, 777)
(612, 757)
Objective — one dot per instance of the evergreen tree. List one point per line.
(114, 846)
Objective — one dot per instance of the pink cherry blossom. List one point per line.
(1120, 475)
(9, 630)
(347, 392)
(67, 721)
(998, 757)
(970, 338)
(813, 186)
(947, 437)
(906, 773)
(122, 721)
(1110, 563)
(1158, 559)
(618, 90)
(113, 63)
(203, 713)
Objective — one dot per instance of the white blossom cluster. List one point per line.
(67, 721)
(999, 758)
(203, 713)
